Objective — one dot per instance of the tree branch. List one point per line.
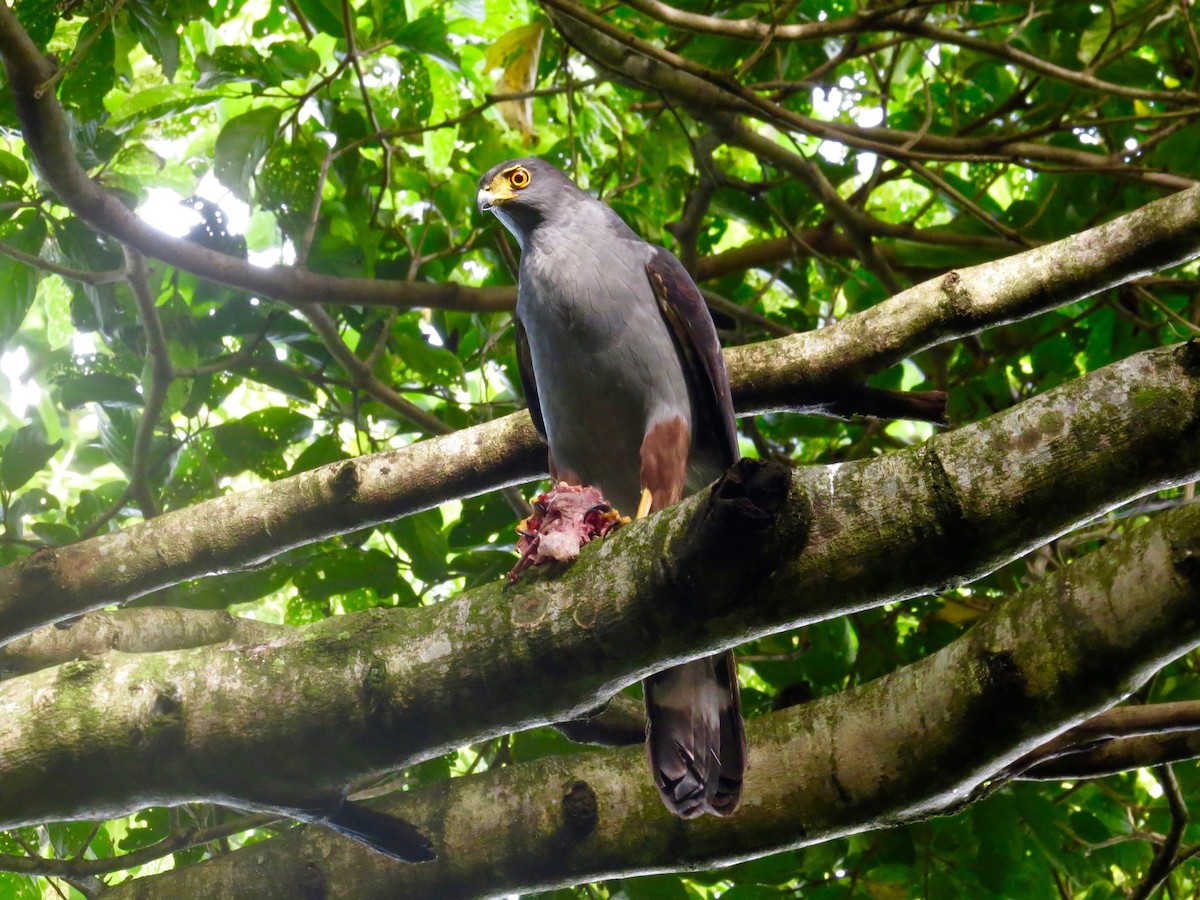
(372, 691)
(47, 137)
(1165, 858)
(1118, 755)
(159, 374)
(900, 20)
(909, 745)
(364, 377)
(964, 301)
(713, 98)
(139, 630)
(804, 372)
(240, 530)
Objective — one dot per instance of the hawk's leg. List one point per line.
(644, 504)
(664, 455)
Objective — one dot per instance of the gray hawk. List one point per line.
(625, 381)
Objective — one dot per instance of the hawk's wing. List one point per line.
(695, 337)
(525, 370)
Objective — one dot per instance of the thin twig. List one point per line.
(159, 376)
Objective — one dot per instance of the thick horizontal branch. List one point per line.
(964, 301)
(802, 372)
(375, 690)
(239, 530)
(619, 722)
(1118, 755)
(1129, 736)
(917, 742)
(154, 629)
(139, 630)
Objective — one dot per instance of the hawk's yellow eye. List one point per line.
(519, 177)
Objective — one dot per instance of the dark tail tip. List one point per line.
(695, 738)
(389, 835)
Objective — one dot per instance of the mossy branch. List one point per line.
(379, 689)
(921, 741)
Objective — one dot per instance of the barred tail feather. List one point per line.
(695, 738)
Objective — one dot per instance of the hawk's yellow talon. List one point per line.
(643, 509)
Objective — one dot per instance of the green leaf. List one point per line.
(94, 503)
(424, 540)
(26, 455)
(482, 566)
(414, 90)
(294, 59)
(117, 434)
(831, 652)
(181, 350)
(482, 517)
(426, 35)
(18, 282)
(13, 168)
(348, 572)
(433, 365)
(18, 288)
(54, 534)
(289, 179)
(257, 441)
(326, 15)
(150, 826)
(10, 199)
(20, 887)
(103, 388)
(162, 102)
(324, 450)
(39, 18)
(231, 64)
(241, 145)
(222, 591)
(998, 827)
(32, 502)
(94, 73)
(157, 31)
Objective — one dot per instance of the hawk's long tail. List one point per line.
(694, 736)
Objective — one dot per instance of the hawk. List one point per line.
(626, 384)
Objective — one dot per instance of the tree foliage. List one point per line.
(258, 360)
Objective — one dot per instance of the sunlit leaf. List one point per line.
(26, 454)
(241, 146)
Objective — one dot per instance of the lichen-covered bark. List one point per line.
(967, 301)
(377, 689)
(129, 631)
(239, 530)
(911, 744)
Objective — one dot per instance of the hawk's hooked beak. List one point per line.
(494, 194)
